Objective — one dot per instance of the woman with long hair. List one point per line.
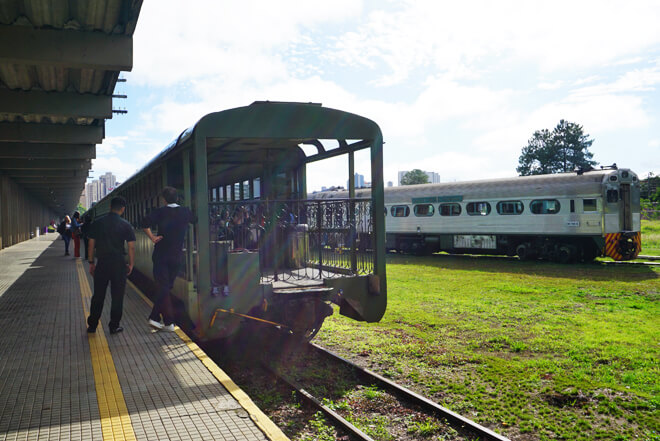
(65, 231)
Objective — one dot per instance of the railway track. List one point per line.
(456, 421)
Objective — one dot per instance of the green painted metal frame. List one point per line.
(292, 121)
(273, 120)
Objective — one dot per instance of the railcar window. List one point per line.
(478, 208)
(572, 206)
(422, 210)
(544, 206)
(510, 207)
(589, 205)
(450, 209)
(612, 196)
(400, 211)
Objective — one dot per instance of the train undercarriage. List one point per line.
(561, 249)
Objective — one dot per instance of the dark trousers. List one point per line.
(66, 239)
(85, 242)
(166, 269)
(112, 271)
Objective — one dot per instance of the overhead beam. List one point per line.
(51, 133)
(67, 104)
(45, 164)
(44, 151)
(68, 174)
(49, 181)
(72, 49)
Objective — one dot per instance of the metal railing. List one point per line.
(298, 239)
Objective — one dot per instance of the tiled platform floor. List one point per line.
(54, 378)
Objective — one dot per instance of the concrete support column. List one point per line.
(20, 213)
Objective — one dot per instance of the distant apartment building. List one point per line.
(98, 189)
(434, 178)
(358, 179)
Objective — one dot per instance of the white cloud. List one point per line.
(561, 35)
(225, 39)
(551, 85)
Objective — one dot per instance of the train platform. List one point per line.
(59, 383)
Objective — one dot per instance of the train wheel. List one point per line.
(565, 254)
(524, 252)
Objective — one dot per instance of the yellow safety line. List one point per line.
(260, 419)
(115, 420)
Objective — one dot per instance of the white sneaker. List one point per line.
(156, 325)
(169, 328)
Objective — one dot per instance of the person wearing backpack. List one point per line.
(65, 231)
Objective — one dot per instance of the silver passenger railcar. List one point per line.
(563, 217)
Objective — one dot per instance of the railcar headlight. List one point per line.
(624, 174)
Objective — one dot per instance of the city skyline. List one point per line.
(97, 189)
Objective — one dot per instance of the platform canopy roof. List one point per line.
(59, 63)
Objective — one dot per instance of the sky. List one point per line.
(457, 88)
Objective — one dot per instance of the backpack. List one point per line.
(61, 228)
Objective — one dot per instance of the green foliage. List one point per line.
(562, 150)
(650, 188)
(415, 176)
(323, 431)
(80, 209)
(425, 428)
(651, 237)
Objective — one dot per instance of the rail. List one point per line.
(298, 239)
(456, 419)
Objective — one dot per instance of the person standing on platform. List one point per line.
(84, 229)
(171, 222)
(65, 231)
(76, 233)
(106, 241)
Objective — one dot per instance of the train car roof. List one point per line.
(589, 182)
(240, 137)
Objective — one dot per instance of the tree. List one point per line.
(80, 209)
(415, 176)
(564, 149)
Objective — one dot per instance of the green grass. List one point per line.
(651, 237)
(531, 350)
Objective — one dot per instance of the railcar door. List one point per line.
(626, 208)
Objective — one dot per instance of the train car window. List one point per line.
(572, 206)
(544, 206)
(510, 207)
(400, 211)
(385, 210)
(450, 209)
(612, 196)
(478, 208)
(589, 205)
(422, 210)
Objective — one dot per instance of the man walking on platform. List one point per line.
(171, 222)
(106, 241)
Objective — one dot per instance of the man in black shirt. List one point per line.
(172, 223)
(106, 238)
